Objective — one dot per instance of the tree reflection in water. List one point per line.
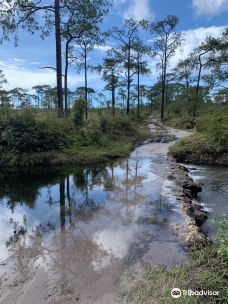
(81, 220)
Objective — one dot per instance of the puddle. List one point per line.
(81, 225)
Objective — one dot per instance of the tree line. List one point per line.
(77, 29)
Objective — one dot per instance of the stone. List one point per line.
(197, 206)
(187, 193)
(194, 188)
(200, 217)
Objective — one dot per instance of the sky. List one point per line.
(198, 19)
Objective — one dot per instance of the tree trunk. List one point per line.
(128, 80)
(187, 95)
(66, 76)
(138, 89)
(38, 100)
(163, 89)
(197, 90)
(128, 93)
(151, 103)
(86, 85)
(113, 95)
(58, 59)
(187, 91)
(166, 95)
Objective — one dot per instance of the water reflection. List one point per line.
(80, 224)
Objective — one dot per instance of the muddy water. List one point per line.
(214, 196)
(67, 236)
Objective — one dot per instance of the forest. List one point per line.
(81, 165)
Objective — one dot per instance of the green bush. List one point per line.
(5, 113)
(122, 124)
(183, 122)
(78, 112)
(105, 123)
(24, 132)
(215, 130)
(92, 132)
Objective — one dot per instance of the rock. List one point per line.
(187, 201)
(185, 169)
(200, 217)
(189, 210)
(192, 169)
(187, 193)
(171, 177)
(197, 206)
(194, 188)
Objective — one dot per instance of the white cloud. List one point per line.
(6, 230)
(35, 62)
(139, 9)
(102, 48)
(115, 241)
(193, 38)
(19, 60)
(2, 64)
(209, 7)
(26, 77)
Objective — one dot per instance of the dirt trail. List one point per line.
(162, 147)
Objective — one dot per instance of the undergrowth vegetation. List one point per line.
(209, 141)
(30, 137)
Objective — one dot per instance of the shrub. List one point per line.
(5, 113)
(23, 132)
(184, 122)
(105, 123)
(122, 124)
(92, 132)
(215, 130)
(78, 112)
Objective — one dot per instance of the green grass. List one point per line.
(208, 271)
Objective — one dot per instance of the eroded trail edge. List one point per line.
(186, 188)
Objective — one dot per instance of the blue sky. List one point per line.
(198, 18)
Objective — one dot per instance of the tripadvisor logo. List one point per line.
(177, 293)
